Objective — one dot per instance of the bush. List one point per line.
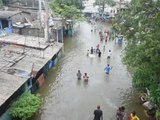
(26, 106)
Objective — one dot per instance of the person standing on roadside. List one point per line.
(98, 114)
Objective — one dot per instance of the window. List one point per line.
(4, 24)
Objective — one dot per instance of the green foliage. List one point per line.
(77, 3)
(102, 4)
(66, 10)
(26, 106)
(140, 25)
(158, 115)
(1, 3)
(108, 2)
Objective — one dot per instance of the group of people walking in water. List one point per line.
(120, 114)
(85, 76)
(98, 114)
(97, 51)
(91, 52)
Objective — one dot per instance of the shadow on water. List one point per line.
(85, 84)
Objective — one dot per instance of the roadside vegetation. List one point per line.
(140, 25)
(68, 9)
(1, 3)
(102, 3)
(108, 2)
(25, 106)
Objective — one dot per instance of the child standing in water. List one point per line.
(85, 77)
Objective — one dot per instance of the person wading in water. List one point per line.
(98, 114)
(79, 75)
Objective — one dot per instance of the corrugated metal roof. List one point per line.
(8, 14)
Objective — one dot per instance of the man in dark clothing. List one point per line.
(99, 54)
(91, 50)
(98, 114)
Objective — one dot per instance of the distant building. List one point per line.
(8, 19)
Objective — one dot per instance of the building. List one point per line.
(8, 19)
(24, 64)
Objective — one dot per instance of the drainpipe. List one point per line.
(57, 34)
(62, 33)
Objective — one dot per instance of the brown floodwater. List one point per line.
(66, 98)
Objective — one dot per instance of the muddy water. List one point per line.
(66, 98)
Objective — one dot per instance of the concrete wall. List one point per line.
(29, 32)
(54, 34)
(21, 17)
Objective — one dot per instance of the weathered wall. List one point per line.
(21, 17)
(54, 34)
(29, 32)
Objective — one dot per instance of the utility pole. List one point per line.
(120, 2)
(40, 10)
(103, 5)
(46, 30)
(33, 3)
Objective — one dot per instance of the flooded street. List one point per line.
(66, 98)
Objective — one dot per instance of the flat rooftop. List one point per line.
(16, 63)
(8, 14)
(9, 84)
(27, 41)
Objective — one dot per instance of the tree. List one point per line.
(77, 3)
(140, 25)
(1, 3)
(103, 2)
(66, 9)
